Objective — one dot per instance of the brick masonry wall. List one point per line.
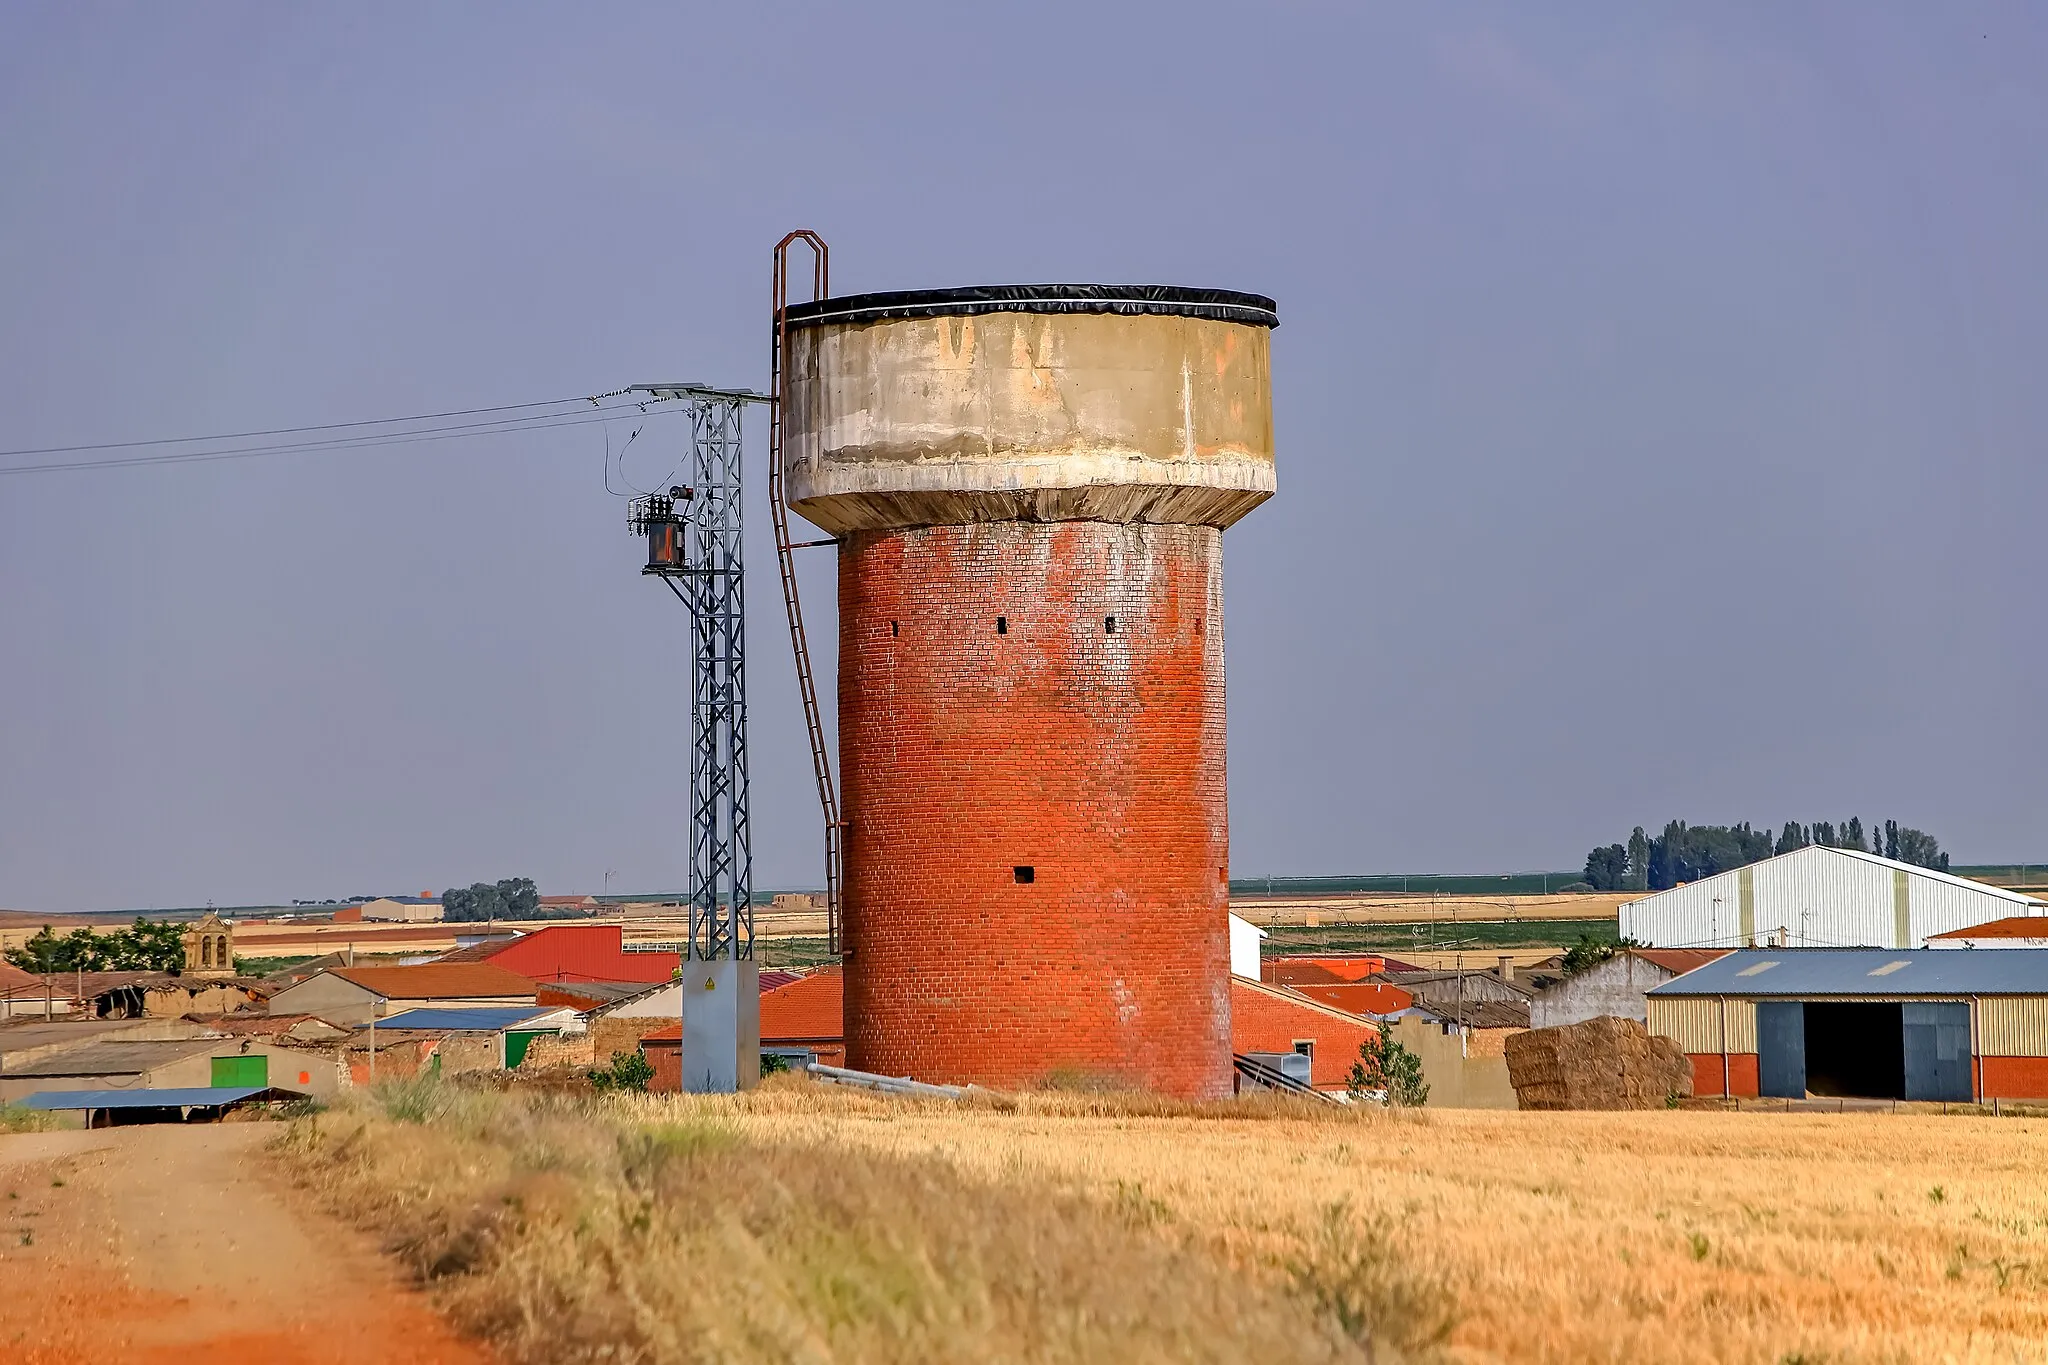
(1263, 1022)
(463, 1053)
(394, 1061)
(2008, 1078)
(1094, 757)
(573, 1050)
(611, 1033)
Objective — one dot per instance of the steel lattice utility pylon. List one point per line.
(695, 544)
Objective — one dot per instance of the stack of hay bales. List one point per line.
(1604, 1063)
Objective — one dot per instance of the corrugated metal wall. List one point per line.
(2013, 1026)
(1704, 914)
(1695, 1023)
(2008, 1026)
(1817, 898)
(1939, 907)
(1820, 900)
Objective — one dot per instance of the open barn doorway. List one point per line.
(1855, 1050)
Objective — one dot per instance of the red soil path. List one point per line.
(153, 1245)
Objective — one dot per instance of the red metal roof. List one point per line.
(572, 952)
(2013, 926)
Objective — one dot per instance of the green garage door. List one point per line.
(241, 1071)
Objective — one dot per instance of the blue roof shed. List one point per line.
(1811, 973)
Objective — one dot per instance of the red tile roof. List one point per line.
(1293, 971)
(810, 1009)
(1683, 960)
(438, 981)
(2014, 926)
(588, 995)
(1358, 997)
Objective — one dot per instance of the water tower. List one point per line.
(1029, 487)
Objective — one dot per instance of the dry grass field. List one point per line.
(1669, 1236)
(1273, 1234)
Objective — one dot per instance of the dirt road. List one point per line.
(153, 1245)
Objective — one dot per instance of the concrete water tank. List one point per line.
(1029, 485)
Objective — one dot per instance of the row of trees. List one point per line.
(1686, 853)
(145, 946)
(512, 898)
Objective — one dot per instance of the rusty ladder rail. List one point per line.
(785, 563)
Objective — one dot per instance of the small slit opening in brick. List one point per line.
(1109, 625)
(1002, 625)
(893, 630)
(1025, 875)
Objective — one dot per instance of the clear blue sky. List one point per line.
(1659, 392)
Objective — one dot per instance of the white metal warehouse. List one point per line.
(1818, 897)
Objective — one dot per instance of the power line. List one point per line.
(293, 431)
(497, 423)
(506, 427)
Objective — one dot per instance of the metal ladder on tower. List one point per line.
(785, 563)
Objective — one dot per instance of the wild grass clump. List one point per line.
(412, 1099)
(627, 1230)
(1354, 1268)
(19, 1118)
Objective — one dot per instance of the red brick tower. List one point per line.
(1029, 485)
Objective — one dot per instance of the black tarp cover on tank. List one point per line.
(1223, 305)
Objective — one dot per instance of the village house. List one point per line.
(1617, 986)
(357, 995)
(121, 1063)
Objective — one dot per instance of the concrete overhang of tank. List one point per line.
(1013, 416)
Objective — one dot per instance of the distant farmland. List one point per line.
(1407, 884)
(1433, 908)
(1478, 936)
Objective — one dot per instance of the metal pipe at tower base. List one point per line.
(1029, 485)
